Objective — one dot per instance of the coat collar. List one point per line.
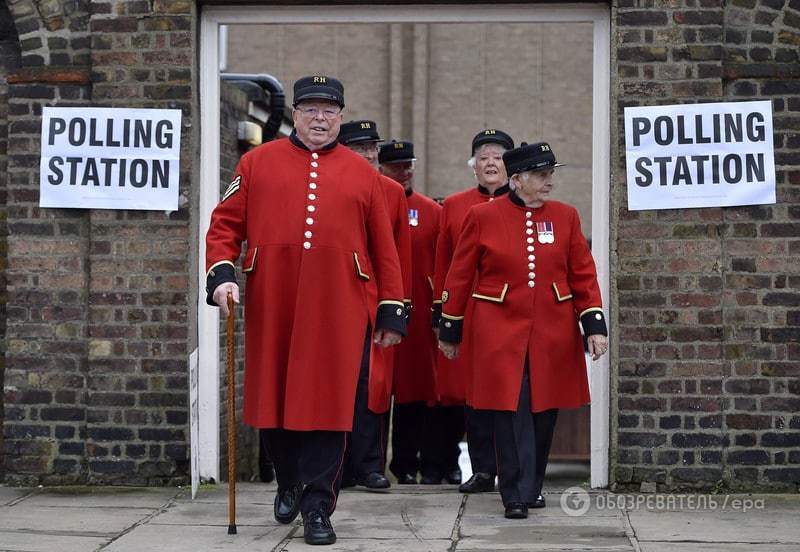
(297, 142)
(497, 193)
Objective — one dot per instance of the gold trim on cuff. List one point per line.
(591, 309)
(215, 265)
(388, 302)
(451, 317)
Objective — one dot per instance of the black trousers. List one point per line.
(443, 430)
(522, 445)
(425, 439)
(313, 458)
(480, 440)
(367, 442)
(408, 423)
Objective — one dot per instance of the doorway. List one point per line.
(421, 78)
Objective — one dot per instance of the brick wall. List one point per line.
(707, 324)
(9, 62)
(100, 303)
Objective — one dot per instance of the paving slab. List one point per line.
(11, 494)
(705, 547)
(179, 538)
(370, 545)
(775, 524)
(103, 497)
(77, 521)
(397, 516)
(18, 541)
(215, 514)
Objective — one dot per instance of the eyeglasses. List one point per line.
(365, 147)
(312, 111)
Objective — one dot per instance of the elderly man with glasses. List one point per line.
(313, 216)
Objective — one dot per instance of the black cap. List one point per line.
(395, 152)
(354, 132)
(492, 136)
(318, 87)
(534, 157)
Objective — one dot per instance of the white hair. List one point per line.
(471, 160)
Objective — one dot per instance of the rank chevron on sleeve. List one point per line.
(232, 188)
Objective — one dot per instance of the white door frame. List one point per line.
(214, 16)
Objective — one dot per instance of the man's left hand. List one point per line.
(387, 338)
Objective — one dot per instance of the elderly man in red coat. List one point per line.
(314, 218)
(418, 444)
(366, 455)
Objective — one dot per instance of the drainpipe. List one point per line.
(277, 98)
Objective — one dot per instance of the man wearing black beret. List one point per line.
(366, 456)
(314, 219)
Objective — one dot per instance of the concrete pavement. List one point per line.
(411, 519)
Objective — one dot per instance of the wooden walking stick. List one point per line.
(231, 421)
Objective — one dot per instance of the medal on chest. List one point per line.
(413, 217)
(545, 231)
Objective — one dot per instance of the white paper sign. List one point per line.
(110, 158)
(699, 155)
(194, 420)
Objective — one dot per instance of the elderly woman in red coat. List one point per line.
(526, 269)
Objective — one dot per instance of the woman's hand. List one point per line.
(449, 350)
(598, 345)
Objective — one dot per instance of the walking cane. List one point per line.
(231, 422)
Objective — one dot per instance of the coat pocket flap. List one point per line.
(250, 258)
(562, 291)
(360, 270)
(491, 291)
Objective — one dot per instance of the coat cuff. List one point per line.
(391, 316)
(593, 322)
(220, 273)
(436, 314)
(450, 328)
(409, 307)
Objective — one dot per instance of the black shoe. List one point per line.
(374, 480)
(516, 510)
(430, 479)
(348, 482)
(406, 479)
(287, 504)
(317, 528)
(538, 503)
(478, 483)
(454, 477)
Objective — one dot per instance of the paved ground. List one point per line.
(408, 519)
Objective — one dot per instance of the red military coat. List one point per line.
(415, 357)
(317, 235)
(382, 369)
(527, 293)
(452, 377)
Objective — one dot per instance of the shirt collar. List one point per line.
(297, 142)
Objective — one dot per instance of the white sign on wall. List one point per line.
(110, 158)
(699, 155)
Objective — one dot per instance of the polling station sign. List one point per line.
(110, 158)
(699, 155)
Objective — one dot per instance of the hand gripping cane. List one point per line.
(231, 421)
